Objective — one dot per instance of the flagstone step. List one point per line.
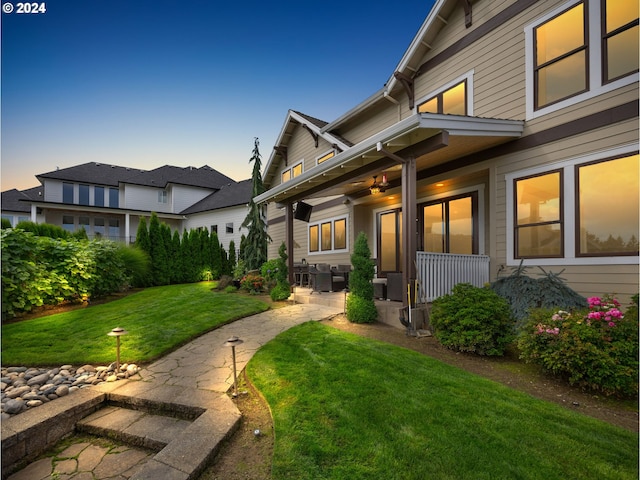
(134, 427)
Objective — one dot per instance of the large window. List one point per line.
(584, 212)
(389, 242)
(328, 236)
(450, 225)
(538, 212)
(580, 50)
(67, 223)
(607, 202)
(114, 228)
(452, 101)
(67, 192)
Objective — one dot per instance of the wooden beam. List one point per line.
(312, 133)
(282, 151)
(409, 226)
(407, 82)
(466, 4)
(288, 239)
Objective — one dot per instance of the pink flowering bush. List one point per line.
(252, 283)
(595, 348)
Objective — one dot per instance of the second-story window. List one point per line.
(291, 172)
(163, 196)
(67, 192)
(451, 101)
(325, 157)
(98, 196)
(83, 194)
(620, 38)
(114, 200)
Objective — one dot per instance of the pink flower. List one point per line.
(612, 324)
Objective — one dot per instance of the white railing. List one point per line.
(439, 272)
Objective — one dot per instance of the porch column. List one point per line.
(127, 231)
(288, 239)
(409, 226)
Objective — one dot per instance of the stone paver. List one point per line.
(203, 365)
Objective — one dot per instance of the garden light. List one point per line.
(232, 342)
(117, 332)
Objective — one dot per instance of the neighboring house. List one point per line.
(507, 134)
(108, 200)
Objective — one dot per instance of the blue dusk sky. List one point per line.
(146, 83)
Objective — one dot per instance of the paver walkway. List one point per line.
(202, 365)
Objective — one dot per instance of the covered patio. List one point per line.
(410, 153)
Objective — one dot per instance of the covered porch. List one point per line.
(410, 154)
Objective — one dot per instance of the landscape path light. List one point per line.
(117, 332)
(232, 342)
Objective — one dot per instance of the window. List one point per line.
(67, 192)
(561, 57)
(113, 198)
(449, 225)
(98, 227)
(98, 196)
(328, 236)
(83, 222)
(83, 194)
(389, 242)
(314, 238)
(452, 101)
(114, 228)
(214, 228)
(229, 228)
(163, 196)
(292, 172)
(620, 38)
(325, 157)
(538, 209)
(580, 50)
(67, 223)
(584, 212)
(607, 202)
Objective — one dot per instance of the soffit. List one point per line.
(350, 172)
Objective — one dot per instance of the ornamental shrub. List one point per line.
(360, 307)
(594, 348)
(472, 319)
(525, 293)
(253, 283)
(282, 289)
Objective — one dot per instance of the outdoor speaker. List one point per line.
(303, 211)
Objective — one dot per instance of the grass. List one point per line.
(158, 320)
(346, 407)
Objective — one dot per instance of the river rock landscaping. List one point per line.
(23, 388)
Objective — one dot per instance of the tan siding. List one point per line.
(383, 116)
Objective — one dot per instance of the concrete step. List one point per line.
(134, 427)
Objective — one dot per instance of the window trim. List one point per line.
(332, 222)
(326, 156)
(290, 170)
(570, 209)
(595, 80)
(467, 78)
(604, 36)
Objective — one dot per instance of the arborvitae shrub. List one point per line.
(360, 306)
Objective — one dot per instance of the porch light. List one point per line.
(384, 183)
(376, 187)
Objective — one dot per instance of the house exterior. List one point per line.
(108, 200)
(506, 135)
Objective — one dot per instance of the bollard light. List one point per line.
(117, 332)
(232, 342)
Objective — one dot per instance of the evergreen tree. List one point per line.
(158, 252)
(243, 246)
(177, 276)
(360, 305)
(216, 258)
(168, 264)
(255, 253)
(232, 257)
(142, 236)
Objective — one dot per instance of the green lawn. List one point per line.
(346, 407)
(158, 320)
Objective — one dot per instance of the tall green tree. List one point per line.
(255, 253)
(360, 305)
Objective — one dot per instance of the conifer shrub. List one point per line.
(282, 289)
(360, 307)
(595, 348)
(525, 293)
(472, 319)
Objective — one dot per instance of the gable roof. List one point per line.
(230, 195)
